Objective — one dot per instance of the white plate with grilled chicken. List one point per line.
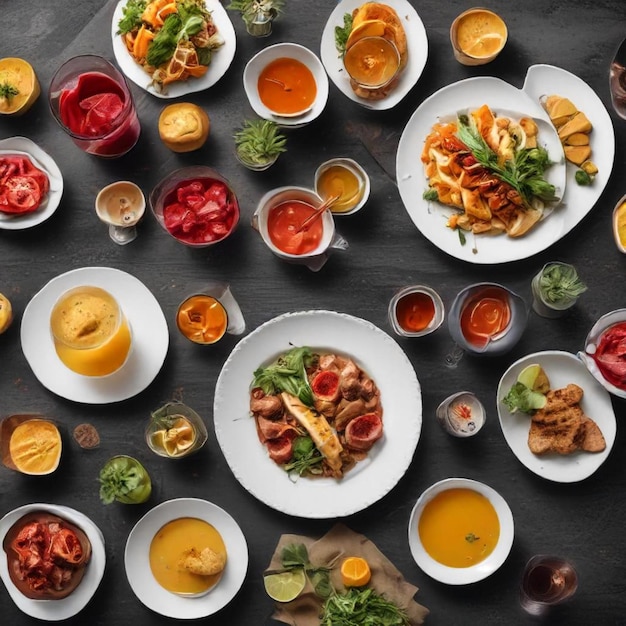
(386, 462)
(562, 369)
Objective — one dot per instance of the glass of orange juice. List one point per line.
(206, 315)
(91, 334)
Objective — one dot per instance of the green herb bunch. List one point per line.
(296, 556)
(259, 141)
(287, 373)
(8, 91)
(525, 172)
(361, 606)
(306, 457)
(560, 282)
(342, 33)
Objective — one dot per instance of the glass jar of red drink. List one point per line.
(91, 101)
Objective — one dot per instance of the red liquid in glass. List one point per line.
(99, 112)
(415, 311)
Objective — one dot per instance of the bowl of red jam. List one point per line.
(487, 319)
(279, 218)
(196, 206)
(605, 352)
(416, 311)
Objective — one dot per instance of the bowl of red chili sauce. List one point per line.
(196, 205)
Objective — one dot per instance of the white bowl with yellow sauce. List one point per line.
(460, 531)
(477, 36)
(345, 178)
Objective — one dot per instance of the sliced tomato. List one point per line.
(363, 431)
(20, 194)
(66, 547)
(280, 449)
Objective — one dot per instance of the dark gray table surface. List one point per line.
(584, 521)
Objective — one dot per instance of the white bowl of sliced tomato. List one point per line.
(196, 205)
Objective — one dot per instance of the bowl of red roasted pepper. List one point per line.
(196, 205)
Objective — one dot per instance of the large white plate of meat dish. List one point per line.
(365, 427)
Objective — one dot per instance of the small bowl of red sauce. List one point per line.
(487, 319)
(279, 217)
(605, 352)
(286, 83)
(416, 311)
(196, 206)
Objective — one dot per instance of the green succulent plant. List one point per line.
(259, 142)
(250, 9)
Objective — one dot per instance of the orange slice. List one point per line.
(368, 28)
(355, 572)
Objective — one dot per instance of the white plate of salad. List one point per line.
(370, 479)
(417, 42)
(220, 59)
(561, 368)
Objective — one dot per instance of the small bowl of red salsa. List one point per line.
(605, 352)
(196, 205)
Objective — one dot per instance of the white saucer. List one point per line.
(148, 325)
(41, 159)
(143, 582)
(56, 610)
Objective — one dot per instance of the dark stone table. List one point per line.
(582, 521)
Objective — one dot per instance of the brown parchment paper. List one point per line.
(338, 543)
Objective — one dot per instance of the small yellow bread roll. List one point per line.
(183, 126)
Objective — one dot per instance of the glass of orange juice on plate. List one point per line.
(91, 334)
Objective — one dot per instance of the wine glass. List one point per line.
(617, 80)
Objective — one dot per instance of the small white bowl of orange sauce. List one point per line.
(416, 311)
(477, 36)
(460, 531)
(286, 83)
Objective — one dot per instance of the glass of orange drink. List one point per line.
(91, 334)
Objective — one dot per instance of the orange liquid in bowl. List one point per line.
(202, 319)
(283, 222)
(91, 335)
(372, 62)
(485, 315)
(287, 86)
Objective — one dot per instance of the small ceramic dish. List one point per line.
(619, 224)
(611, 370)
(477, 36)
(481, 569)
(260, 62)
(495, 315)
(416, 311)
(330, 178)
(461, 415)
(190, 221)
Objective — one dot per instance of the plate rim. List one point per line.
(250, 352)
(157, 517)
(135, 74)
(66, 383)
(596, 460)
(417, 39)
(48, 164)
(39, 608)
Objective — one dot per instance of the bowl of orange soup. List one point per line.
(460, 531)
(286, 83)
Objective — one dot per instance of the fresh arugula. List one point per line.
(296, 556)
(361, 607)
(306, 457)
(186, 23)
(524, 172)
(287, 373)
(131, 13)
(342, 33)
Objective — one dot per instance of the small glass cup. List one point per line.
(92, 103)
(541, 305)
(372, 62)
(416, 311)
(461, 415)
(121, 205)
(91, 334)
(206, 315)
(546, 581)
(175, 431)
(477, 36)
(617, 80)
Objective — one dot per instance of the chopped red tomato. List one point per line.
(23, 186)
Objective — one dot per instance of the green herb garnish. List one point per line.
(8, 91)
(430, 195)
(306, 457)
(296, 556)
(287, 373)
(342, 33)
(361, 607)
(524, 172)
(582, 178)
(471, 538)
(462, 238)
(131, 19)
(522, 398)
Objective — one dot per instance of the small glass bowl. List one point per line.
(434, 323)
(361, 55)
(591, 343)
(183, 176)
(354, 168)
(497, 344)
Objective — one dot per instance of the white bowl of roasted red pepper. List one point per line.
(196, 205)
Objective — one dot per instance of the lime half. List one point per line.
(285, 586)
